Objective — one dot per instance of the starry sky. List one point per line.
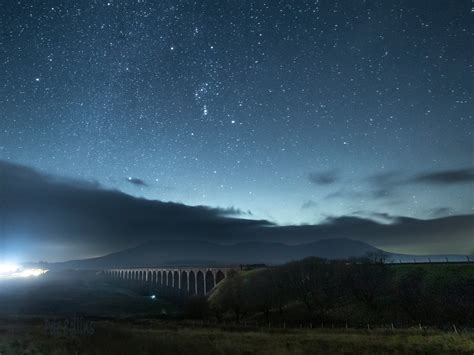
(289, 111)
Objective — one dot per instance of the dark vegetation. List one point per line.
(355, 293)
(314, 291)
(138, 336)
(350, 306)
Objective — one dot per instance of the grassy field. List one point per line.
(158, 337)
(70, 293)
(434, 270)
(438, 270)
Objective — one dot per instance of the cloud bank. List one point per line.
(447, 177)
(52, 218)
(390, 185)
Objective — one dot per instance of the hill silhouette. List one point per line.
(183, 252)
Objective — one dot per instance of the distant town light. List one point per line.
(10, 271)
(8, 268)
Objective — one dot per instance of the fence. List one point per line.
(432, 260)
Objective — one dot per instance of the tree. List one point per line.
(230, 295)
(261, 292)
(375, 257)
(450, 294)
(369, 281)
(279, 280)
(317, 283)
(411, 293)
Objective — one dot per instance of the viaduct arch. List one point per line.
(194, 281)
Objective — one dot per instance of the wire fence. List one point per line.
(329, 327)
(432, 260)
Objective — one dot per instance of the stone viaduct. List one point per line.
(195, 281)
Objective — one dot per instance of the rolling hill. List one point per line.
(167, 253)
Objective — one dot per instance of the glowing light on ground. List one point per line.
(10, 271)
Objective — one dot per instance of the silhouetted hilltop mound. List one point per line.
(183, 252)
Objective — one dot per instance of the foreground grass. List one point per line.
(154, 337)
(76, 292)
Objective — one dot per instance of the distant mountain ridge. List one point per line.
(174, 253)
(199, 253)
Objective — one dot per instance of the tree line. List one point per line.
(357, 291)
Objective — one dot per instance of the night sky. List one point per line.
(286, 111)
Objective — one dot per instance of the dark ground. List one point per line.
(85, 313)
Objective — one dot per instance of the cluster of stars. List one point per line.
(225, 99)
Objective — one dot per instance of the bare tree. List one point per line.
(230, 295)
(317, 283)
(368, 281)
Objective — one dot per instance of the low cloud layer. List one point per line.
(56, 218)
(323, 178)
(388, 185)
(447, 177)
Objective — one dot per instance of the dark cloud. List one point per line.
(389, 185)
(376, 187)
(232, 211)
(88, 218)
(410, 235)
(60, 218)
(308, 204)
(324, 178)
(446, 177)
(375, 193)
(389, 181)
(137, 182)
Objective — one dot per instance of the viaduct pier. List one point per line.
(193, 280)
